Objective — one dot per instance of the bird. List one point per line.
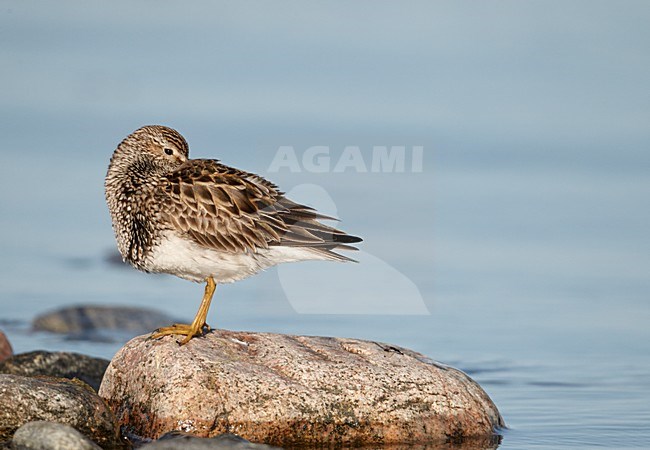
(204, 221)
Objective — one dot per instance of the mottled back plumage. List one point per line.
(233, 211)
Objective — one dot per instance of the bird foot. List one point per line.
(189, 331)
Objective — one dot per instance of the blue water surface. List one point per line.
(526, 231)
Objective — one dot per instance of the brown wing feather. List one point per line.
(234, 211)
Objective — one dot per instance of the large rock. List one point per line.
(294, 390)
(71, 402)
(5, 347)
(57, 364)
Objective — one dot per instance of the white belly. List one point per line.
(186, 259)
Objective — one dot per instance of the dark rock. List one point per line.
(295, 391)
(57, 364)
(5, 347)
(183, 441)
(80, 320)
(71, 402)
(50, 436)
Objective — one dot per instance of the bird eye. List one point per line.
(169, 151)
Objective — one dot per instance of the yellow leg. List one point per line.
(197, 325)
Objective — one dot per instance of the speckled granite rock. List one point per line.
(57, 364)
(71, 402)
(5, 347)
(50, 436)
(294, 390)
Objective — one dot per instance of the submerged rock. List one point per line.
(50, 436)
(5, 347)
(294, 390)
(86, 321)
(184, 441)
(71, 402)
(57, 364)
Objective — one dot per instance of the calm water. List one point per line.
(520, 253)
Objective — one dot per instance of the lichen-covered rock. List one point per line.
(5, 347)
(72, 402)
(50, 436)
(294, 390)
(57, 364)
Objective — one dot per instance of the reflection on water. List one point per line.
(479, 444)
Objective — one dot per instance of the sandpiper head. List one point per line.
(161, 146)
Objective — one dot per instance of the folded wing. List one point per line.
(229, 210)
